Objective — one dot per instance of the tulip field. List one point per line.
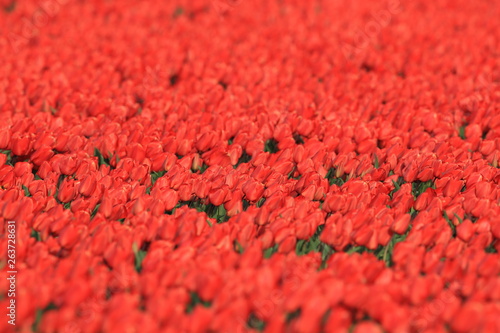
(230, 166)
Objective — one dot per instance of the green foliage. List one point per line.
(491, 248)
(244, 158)
(386, 255)
(203, 168)
(271, 146)
(156, 175)
(450, 223)
(314, 244)
(461, 132)
(36, 235)
(397, 186)
(26, 191)
(418, 187)
(139, 257)
(255, 323)
(376, 162)
(332, 179)
(270, 251)
(9, 160)
(195, 301)
(298, 139)
(293, 315)
(100, 158)
(94, 211)
(39, 315)
(383, 253)
(237, 247)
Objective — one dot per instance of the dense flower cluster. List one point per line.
(241, 166)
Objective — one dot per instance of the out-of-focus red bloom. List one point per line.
(253, 190)
(400, 224)
(21, 144)
(465, 230)
(170, 198)
(67, 191)
(88, 185)
(5, 138)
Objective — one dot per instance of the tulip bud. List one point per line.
(170, 198)
(400, 224)
(21, 145)
(67, 191)
(5, 138)
(253, 190)
(88, 185)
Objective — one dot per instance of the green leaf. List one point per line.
(357, 249)
(491, 248)
(450, 223)
(216, 212)
(39, 314)
(196, 300)
(459, 218)
(94, 211)
(255, 323)
(203, 168)
(26, 191)
(9, 157)
(270, 251)
(397, 186)
(271, 146)
(461, 132)
(298, 139)
(332, 179)
(389, 248)
(314, 244)
(156, 175)
(419, 187)
(237, 247)
(139, 257)
(36, 235)
(293, 315)
(244, 158)
(100, 158)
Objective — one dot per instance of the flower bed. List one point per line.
(241, 166)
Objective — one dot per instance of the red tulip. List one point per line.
(5, 138)
(88, 185)
(21, 144)
(253, 190)
(67, 190)
(465, 230)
